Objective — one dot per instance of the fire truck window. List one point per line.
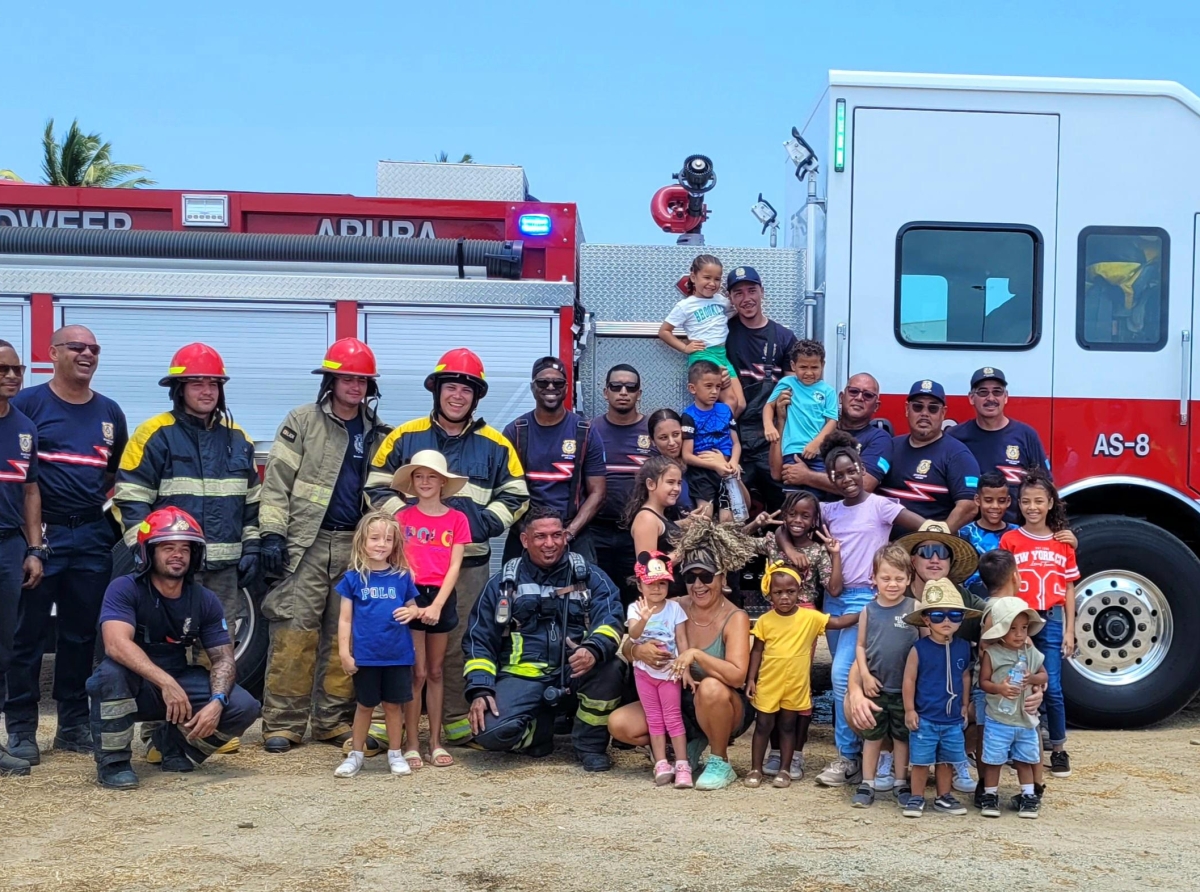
(968, 286)
(1122, 301)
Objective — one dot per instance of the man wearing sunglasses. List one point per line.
(998, 442)
(626, 447)
(81, 435)
(858, 402)
(931, 474)
(757, 347)
(563, 459)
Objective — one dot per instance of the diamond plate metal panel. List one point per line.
(102, 281)
(663, 371)
(471, 182)
(636, 283)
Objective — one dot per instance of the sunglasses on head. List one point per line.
(859, 393)
(79, 347)
(705, 576)
(623, 387)
(930, 551)
(549, 383)
(940, 616)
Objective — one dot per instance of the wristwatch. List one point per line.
(219, 696)
(41, 552)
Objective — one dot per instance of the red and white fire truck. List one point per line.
(1046, 226)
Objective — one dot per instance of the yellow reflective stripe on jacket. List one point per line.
(215, 552)
(201, 486)
(514, 461)
(609, 631)
(384, 450)
(312, 492)
(130, 537)
(133, 492)
(479, 664)
(526, 670)
(517, 649)
(135, 449)
(281, 451)
(272, 518)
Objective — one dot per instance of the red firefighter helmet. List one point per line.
(195, 361)
(348, 356)
(170, 524)
(459, 364)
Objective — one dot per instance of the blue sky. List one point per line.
(600, 102)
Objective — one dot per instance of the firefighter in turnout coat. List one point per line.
(545, 628)
(494, 497)
(311, 502)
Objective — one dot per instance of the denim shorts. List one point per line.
(1002, 742)
(934, 742)
(979, 701)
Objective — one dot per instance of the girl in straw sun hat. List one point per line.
(435, 536)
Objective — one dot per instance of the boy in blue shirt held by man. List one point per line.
(711, 449)
(813, 412)
(937, 677)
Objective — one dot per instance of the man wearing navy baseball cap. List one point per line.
(998, 442)
(756, 347)
(932, 474)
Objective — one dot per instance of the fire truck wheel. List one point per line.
(1137, 619)
(249, 633)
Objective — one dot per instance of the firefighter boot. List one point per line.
(24, 746)
(599, 694)
(11, 766)
(74, 740)
(167, 741)
(117, 776)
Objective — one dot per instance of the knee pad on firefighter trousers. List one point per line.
(504, 732)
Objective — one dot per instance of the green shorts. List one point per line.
(717, 356)
(890, 722)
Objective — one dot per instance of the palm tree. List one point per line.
(442, 158)
(81, 159)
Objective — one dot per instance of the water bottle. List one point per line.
(737, 504)
(1016, 676)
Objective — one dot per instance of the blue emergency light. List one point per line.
(534, 224)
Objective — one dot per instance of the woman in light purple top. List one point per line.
(863, 523)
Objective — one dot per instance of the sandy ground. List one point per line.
(1126, 819)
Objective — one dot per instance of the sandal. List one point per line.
(753, 779)
(438, 757)
(413, 758)
(783, 780)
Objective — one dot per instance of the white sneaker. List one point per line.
(963, 782)
(351, 766)
(884, 779)
(842, 771)
(771, 765)
(399, 766)
(796, 771)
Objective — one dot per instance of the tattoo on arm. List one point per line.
(224, 669)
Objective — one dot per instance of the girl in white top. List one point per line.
(654, 618)
(703, 315)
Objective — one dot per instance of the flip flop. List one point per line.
(439, 758)
(413, 758)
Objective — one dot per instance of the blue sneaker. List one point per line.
(717, 774)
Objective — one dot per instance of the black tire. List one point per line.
(1109, 542)
(250, 638)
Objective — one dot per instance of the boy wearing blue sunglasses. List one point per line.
(936, 679)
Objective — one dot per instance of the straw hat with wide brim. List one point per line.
(963, 557)
(939, 594)
(432, 460)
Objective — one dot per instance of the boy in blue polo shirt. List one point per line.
(711, 449)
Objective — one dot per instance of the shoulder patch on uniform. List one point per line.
(288, 434)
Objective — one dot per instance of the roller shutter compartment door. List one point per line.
(408, 345)
(269, 352)
(12, 328)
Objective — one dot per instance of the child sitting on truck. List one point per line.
(813, 412)
(711, 450)
(703, 316)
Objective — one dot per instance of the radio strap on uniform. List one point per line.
(575, 483)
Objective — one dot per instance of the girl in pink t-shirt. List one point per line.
(435, 536)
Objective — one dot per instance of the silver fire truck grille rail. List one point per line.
(628, 291)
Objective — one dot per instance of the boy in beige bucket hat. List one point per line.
(1008, 666)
